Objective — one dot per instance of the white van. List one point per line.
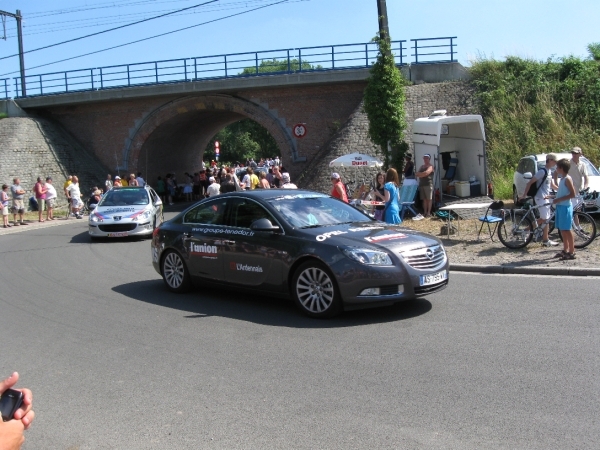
(529, 165)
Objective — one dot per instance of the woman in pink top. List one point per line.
(40, 196)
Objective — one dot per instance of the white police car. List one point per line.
(126, 211)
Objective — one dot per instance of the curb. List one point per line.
(528, 270)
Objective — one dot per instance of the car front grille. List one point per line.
(422, 290)
(425, 258)
(118, 227)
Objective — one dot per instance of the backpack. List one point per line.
(535, 187)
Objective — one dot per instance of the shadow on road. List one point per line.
(262, 310)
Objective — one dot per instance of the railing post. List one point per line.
(66, 83)
(416, 51)
(289, 61)
(128, 78)
(156, 71)
(451, 50)
(300, 59)
(195, 69)
(332, 57)
(225, 58)
(401, 54)
(16, 89)
(101, 79)
(92, 77)
(256, 62)
(41, 86)
(366, 55)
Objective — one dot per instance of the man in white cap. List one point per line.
(578, 171)
(287, 183)
(338, 190)
(214, 188)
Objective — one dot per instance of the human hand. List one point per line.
(24, 414)
(11, 435)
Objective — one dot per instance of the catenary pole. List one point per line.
(384, 30)
(19, 18)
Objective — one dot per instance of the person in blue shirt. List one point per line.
(392, 207)
(564, 209)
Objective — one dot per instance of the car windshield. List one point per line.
(125, 197)
(303, 211)
(590, 169)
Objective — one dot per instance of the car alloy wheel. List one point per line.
(175, 273)
(315, 292)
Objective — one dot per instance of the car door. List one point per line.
(248, 254)
(158, 206)
(204, 239)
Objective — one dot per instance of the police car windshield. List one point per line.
(125, 197)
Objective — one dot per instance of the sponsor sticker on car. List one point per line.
(434, 278)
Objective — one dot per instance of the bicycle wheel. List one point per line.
(585, 232)
(516, 231)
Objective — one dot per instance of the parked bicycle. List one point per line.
(519, 226)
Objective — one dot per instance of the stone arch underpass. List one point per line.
(173, 137)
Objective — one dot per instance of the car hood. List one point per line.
(372, 234)
(123, 212)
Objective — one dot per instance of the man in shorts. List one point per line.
(74, 195)
(18, 206)
(425, 176)
(545, 182)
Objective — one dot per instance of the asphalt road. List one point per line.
(117, 362)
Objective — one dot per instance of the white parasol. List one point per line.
(356, 160)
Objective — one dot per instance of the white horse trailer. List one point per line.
(459, 139)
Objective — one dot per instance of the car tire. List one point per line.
(315, 292)
(175, 273)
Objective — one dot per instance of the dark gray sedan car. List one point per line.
(322, 252)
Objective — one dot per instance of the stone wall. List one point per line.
(32, 147)
(457, 98)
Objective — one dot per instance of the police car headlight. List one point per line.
(95, 218)
(144, 216)
(368, 256)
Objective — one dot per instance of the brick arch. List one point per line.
(189, 123)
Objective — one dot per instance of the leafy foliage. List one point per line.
(384, 104)
(242, 140)
(537, 107)
(594, 50)
(276, 65)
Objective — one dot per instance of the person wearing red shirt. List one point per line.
(338, 190)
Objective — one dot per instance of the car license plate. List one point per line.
(121, 234)
(433, 278)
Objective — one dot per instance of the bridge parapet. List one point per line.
(234, 65)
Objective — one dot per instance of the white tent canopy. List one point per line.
(356, 160)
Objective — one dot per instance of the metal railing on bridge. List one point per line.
(233, 65)
(4, 92)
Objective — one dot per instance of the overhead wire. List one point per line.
(106, 20)
(152, 37)
(111, 29)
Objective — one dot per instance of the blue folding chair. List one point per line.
(407, 199)
(493, 215)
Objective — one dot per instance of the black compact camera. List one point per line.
(10, 401)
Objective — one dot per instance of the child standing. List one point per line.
(564, 209)
(4, 205)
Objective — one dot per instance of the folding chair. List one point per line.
(407, 199)
(492, 215)
(451, 172)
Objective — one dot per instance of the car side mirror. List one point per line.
(527, 175)
(158, 202)
(264, 225)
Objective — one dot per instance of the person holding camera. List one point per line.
(12, 431)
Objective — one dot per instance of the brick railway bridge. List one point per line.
(160, 128)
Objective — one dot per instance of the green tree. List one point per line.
(276, 65)
(242, 140)
(384, 104)
(594, 50)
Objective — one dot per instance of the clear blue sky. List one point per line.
(492, 28)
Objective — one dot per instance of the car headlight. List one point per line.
(95, 218)
(143, 216)
(368, 256)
